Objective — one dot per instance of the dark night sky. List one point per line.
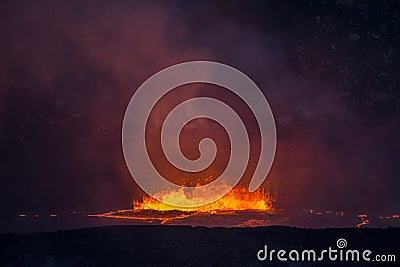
(329, 69)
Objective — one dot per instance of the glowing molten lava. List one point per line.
(236, 199)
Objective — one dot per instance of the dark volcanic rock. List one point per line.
(184, 246)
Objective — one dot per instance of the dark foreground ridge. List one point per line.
(187, 246)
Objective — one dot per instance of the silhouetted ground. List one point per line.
(186, 246)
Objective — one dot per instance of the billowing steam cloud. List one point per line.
(68, 71)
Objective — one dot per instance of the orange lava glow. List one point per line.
(238, 208)
(364, 220)
(236, 199)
